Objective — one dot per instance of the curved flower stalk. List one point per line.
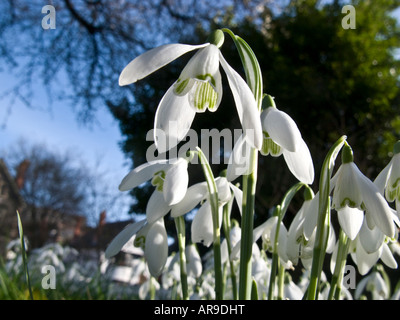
(151, 237)
(198, 88)
(354, 193)
(282, 136)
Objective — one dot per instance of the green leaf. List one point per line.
(322, 233)
(254, 291)
(250, 64)
(24, 256)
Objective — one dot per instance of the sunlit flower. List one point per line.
(354, 193)
(388, 181)
(370, 246)
(151, 237)
(170, 177)
(202, 224)
(282, 136)
(197, 89)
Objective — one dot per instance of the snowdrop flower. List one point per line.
(151, 237)
(354, 193)
(301, 233)
(291, 290)
(198, 88)
(266, 231)
(170, 177)
(202, 225)
(296, 240)
(370, 246)
(282, 136)
(388, 181)
(375, 284)
(193, 260)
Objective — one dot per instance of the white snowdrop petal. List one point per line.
(351, 220)
(194, 195)
(142, 174)
(282, 129)
(123, 237)
(300, 163)
(176, 182)
(156, 248)
(156, 207)
(174, 117)
(202, 225)
(246, 106)
(153, 60)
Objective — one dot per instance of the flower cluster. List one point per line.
(367, 224)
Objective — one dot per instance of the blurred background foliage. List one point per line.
(331, 81)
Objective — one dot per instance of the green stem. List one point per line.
(180, 228)
(152, 289)
(281, 281)
(227, 228)
(254, 80)
(275, 257)
(213, 192)
(322, 232)
(341, 257)
(247, 224)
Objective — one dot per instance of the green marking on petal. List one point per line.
(206, 77)
(269, 146)
(180, 86)
(396, 184)
(139, 242)
(393, 192)
(158, 180)
(205, 97)
(350, 203)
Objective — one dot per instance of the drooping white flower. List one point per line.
(202, 224)
(170, 177)
(375, 284)
(388, 180)
(197, 89)
(302, 232)
(282, 136)
(151, 237)
(370, 246)
(353, 192)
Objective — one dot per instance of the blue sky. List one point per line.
(57, 127)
